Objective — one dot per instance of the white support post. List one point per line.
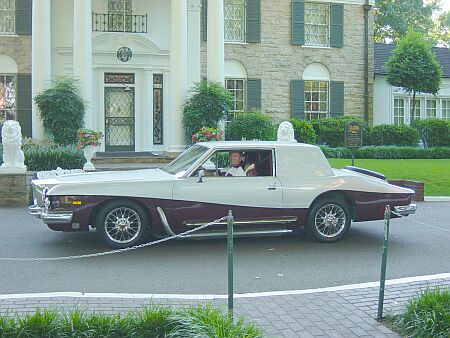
(215, 42)
(178, 73)
(41, 58)
(194, 16)
(82, 54)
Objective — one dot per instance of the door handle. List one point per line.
(271, 187)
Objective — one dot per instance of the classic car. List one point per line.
(292, 186)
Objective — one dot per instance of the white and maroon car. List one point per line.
(292, 186)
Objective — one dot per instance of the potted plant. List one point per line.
(89, 140)
(206, 134)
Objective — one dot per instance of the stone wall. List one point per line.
(18, 47)
(15, 189)
(276, 61)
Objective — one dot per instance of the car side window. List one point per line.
(238, 162)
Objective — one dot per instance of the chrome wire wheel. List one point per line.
(330, 220)
(122, 225)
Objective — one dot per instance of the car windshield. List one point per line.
(182, 163)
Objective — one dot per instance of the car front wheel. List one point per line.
(328, 221)
(121, 224)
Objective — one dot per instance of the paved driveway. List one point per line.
(420, 245)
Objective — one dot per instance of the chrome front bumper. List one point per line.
(59, 217)
(405, 210)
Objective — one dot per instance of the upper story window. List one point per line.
(7, 95)
(237, 88)
(317, 24)
(118, 11)
(234, 13)
(7, 17)
(316, 99)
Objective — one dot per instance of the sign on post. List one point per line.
(353, 137)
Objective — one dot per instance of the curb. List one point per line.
(436, 199)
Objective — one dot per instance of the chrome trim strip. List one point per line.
(406, 210)
(286, 220)
(35, 210)
(57, 217)
(165, 223)
(239, 233)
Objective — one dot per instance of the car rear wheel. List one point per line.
(329, 220)
(121, 224)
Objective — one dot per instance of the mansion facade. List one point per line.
(137, 59)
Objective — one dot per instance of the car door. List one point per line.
(256, 202)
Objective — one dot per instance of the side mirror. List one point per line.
(200, 175)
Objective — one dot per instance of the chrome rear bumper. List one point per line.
(406, 210)
(58, 217)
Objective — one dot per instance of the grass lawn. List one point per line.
(435, 173)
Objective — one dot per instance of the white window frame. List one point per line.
(308, 41)
(7, 10)
(312, 114)
(435, 109)
(418, 108)
(400, 119)
(445, 116)
(234, 91)
(230, 34)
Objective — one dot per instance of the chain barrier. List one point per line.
(106, 253)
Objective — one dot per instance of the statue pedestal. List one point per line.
(12, 170)
(15, 189)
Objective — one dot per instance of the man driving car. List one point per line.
(235, 167)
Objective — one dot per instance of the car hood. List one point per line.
(107, 176)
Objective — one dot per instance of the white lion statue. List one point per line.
(286, 132)
(12, 142)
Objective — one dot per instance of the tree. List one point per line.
(393, 18)
(210, 103)
(442, 29)
(413, 66)
(61, 110)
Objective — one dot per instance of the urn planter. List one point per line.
(89, 152)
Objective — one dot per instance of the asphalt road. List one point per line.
(419, 245)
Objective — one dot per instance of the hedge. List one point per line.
(41, 158)
(388, 152)
(393, 135)
(433, 132)
(251, 126)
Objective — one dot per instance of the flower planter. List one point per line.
(89, 152)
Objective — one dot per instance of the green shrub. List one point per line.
(61, 109)
(304, 132)
(388, 134)
(388, 152)
(154, 321)
(50, 158)
(426, 315)
(331, 131)
(433, 132)
(209, 104)
(251, 126)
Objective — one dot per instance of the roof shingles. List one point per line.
(382, 52)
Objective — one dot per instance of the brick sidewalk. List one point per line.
(344, 313)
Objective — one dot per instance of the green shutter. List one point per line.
(298, 22)
(298, 99)
(337, 25)
(23, 17)
(253, 94)
(23, 103)
(336, 98)
(253, 20)
(205, 19)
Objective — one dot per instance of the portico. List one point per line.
(138, 103)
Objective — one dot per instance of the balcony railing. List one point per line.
(115, 23)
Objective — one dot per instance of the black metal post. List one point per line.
(387, 217)
(353, 156)
(230, 261)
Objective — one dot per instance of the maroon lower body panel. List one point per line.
(370, 206)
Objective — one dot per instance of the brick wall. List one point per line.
(15, 189)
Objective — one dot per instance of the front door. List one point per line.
(119, 118)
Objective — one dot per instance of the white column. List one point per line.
(82, 53)
(194, 10)
(178, 73)
(215, 43)
(41, 58)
